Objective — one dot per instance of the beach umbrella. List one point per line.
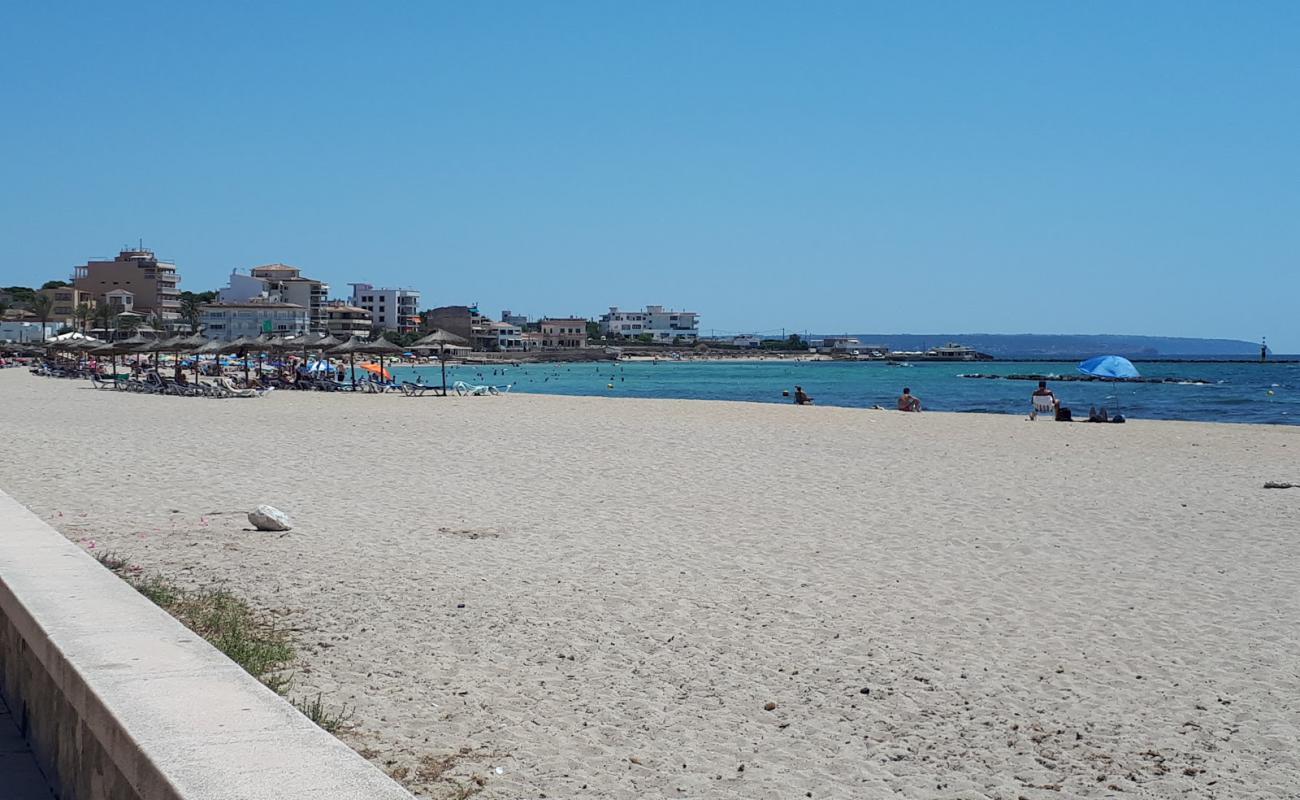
(439, 339)
(380, 347)
(241, 346)
(1114, 367)
(113, 350)
(153, 346)
(375, 369)
(193, 344)
(350, 349)
(357, 345)
(1110, 368)
(130, 344)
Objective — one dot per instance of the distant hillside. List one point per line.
(1066, 346)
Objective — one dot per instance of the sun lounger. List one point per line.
(464, 389)
(414, 389)
(235, 391)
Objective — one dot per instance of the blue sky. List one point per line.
(911, 167)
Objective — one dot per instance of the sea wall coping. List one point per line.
(174, 716)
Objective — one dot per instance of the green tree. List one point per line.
(593, 330)
(42, 305)
(796, 342)
(645, 338)
(102, 316)
(83, 313)
(22, 295)
(54, 284)
(128, 322)
(190, 309)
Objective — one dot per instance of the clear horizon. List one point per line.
(853, 166)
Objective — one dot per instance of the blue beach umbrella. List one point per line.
(1112, 367)
(1109, 367)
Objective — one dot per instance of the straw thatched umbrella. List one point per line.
(357, 345)
(212, 348)
(381, 346)
(310, 341)
(439, 339)
(192, 344)
(241, 346)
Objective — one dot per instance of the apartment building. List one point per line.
(64, 301)
(563, 333)
(279, 283)
(230, 320)
(662, 325)
(152, 283)
(390, 309)
(344, 321)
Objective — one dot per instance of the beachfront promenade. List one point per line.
(118, 701)
(592, 597)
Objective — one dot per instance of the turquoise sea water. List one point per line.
(1237, 392)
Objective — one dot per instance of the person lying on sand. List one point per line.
(908, 401)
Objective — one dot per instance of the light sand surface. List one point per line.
(1037, 609)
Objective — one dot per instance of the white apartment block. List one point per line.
(662, 325)
(228, 321)
(279, 283)
(390, 309)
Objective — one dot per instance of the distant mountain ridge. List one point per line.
(1065, 346)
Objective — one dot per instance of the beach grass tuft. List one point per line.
(249, 638)
(316, 711)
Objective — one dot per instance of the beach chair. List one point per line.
(1044, 405)
(414, 389)
(234, 391)
(100, 383)
(466, 390)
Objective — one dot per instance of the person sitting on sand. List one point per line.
(801, 397)
(908, 401)
(1062, 413)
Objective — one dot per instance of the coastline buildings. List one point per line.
(502, 337)
(563, 333)
(279, 283)
(659, 324)
(151, 282)
(233, 319)
(343, 321)
(390, 309)
(463, 321)
(64, 301)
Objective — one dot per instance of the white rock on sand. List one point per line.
(563, 585)
(269, 518)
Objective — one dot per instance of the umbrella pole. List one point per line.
(442, 357)
(352, 369)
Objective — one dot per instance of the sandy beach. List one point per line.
(614, 598)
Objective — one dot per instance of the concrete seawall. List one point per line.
(119, 701)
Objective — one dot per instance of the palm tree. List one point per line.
(41, 307)
(190, 310)
(102, 316)
(83, 313)
(129, 322)
(158, 322)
